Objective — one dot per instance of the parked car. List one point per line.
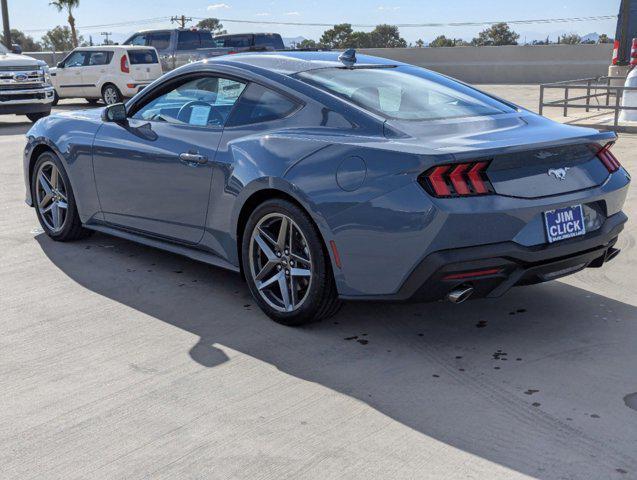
(244, 42)
(324, 178)
(25, 86)
(109, 72)
(178, 46)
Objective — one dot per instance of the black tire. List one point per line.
(56, 98)
(34, 117)
(321, 300)
(111, 94)
(72, 228)
(92, 101)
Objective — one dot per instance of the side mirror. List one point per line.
(60, 65)
(114, 113)
(17, 49)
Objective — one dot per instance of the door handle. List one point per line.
(192, 159)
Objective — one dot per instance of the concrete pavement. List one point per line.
(120, 361)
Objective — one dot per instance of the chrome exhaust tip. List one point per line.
(460, 294)
(612, 253)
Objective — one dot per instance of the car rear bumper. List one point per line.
(505, 265)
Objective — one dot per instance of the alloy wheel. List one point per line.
(110, 95)
(280, 262)
(51, 196)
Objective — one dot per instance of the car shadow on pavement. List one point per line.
(533, 381)
(15, 128)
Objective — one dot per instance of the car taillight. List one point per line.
(457, 180)
(608, 159)
(123, 64)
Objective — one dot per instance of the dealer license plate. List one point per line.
(564, 223)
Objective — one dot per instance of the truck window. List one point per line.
(139, 39)
(237, 41)
(206, 40)
(160, 40)
(142, 57)
(271, 40)
(188, 40)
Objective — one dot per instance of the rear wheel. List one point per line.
(287, 270)
(111, 94)
(54, 201)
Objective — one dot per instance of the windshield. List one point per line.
(405, 93)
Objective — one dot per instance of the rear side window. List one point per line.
(237, 41)
(188, 40)
(206, 40)
(100, 58)
(141, 57)
(159, 40)
(259, 104)
(268, 40)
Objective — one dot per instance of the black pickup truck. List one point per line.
(249, 42)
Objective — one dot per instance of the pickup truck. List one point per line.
(178, 46)
(25, 86)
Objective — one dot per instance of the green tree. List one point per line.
(68, 5)
(59, 39)
(420, 43)
(570, 39)
(25, 41)
(360, 40)
(387, 36)
(307, 44)
(212, 24)
(337, 37)
(496, 34)
(442, 41)
(603, 38)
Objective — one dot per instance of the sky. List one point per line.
(36, 16)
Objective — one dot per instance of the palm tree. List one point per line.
(68, 5)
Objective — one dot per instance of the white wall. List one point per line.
(510, 64)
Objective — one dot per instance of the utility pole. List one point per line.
(181, 20)
(5, 24)
(106, 34)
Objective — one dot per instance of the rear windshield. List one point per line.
(234, 41)
(405, 93)
(272, 40)
(138, 57)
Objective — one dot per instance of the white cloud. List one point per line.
(383, 7)
(262, 14)
(293, 14)
(218, 6)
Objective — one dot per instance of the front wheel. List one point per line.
(34, 117)
(111, 94)
(287, 269)
(54, 200)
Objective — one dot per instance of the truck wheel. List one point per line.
(111, 94)
(34, 117)
(56, 98)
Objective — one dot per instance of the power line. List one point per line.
(357, 25)
(421, 25)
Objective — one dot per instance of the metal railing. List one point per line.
(595, 88)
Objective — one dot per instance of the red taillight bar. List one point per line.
(608, 159)
(457, 180)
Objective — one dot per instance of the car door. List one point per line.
(68, 75)
(94, 70)
(162, 42)
(153, 173)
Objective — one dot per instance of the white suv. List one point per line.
(109, 72)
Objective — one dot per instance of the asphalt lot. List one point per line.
(120, 361)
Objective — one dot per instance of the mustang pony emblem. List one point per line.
(560, 173)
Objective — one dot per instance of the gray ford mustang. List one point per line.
(323, 177)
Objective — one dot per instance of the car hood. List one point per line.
(11, 59)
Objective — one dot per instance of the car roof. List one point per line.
(106, 47)
(290, 63)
